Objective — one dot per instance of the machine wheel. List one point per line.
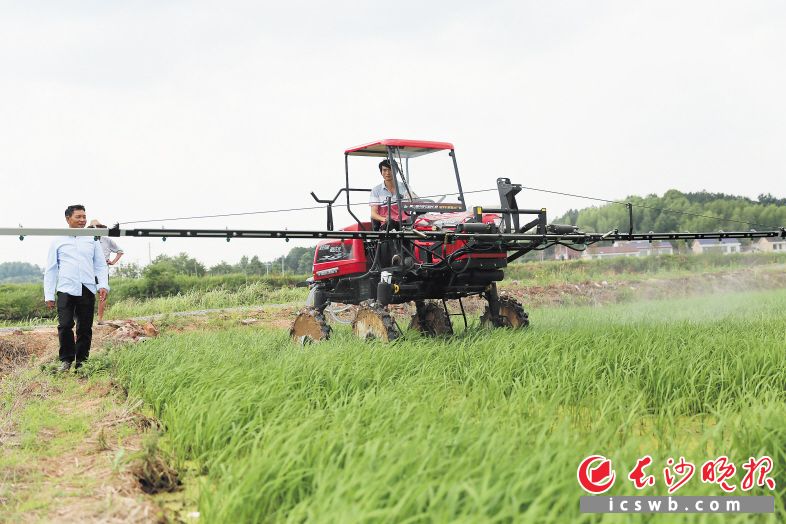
(309, 326)
(373, 322)
(511, 314)
(431, 320)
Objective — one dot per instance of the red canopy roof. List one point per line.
(408, 148)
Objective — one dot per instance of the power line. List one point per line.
(266, 211)
(561, 193)
(688, 213)
(644, 206)
(222, 215)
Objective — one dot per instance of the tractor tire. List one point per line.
(511, 315)
(373, 322)
(309, 326)
(431, 320)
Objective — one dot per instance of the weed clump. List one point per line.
(153, 471)
(99, 364)
(12, 353)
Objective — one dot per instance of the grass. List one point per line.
(22, 301)
(28, 323)
(252, 294)
(627, 268)
(481, 427)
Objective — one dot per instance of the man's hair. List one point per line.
(70, 209)
(386, 163)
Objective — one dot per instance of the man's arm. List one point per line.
(375, 201)
(375, 214)
(114, 248)
(50, 275)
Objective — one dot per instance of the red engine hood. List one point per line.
(449, 221)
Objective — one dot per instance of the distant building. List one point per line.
(769, 245)
(596, 252)
(656, 247)
(636, 248)
(725, 246)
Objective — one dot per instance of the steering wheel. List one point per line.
(431, 200)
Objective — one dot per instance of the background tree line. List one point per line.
(299, 261)
(735, 213)
(11, 272)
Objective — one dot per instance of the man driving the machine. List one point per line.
(380, 213)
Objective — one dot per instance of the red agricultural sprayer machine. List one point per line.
(426, 249)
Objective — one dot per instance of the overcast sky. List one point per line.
(147, 110)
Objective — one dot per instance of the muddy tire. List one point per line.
(431, 320)
(309, 326)
(373, 322)
(511, 314)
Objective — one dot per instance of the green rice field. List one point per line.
(486, 426)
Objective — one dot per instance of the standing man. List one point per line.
(109, 246)
(75, 270)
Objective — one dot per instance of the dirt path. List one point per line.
(267, 309)
(70, 443)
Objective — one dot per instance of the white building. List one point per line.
(636, 248)
(596, 252)
(725, 246)
(770, 245)
(656, 247)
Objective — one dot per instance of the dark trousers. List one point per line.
(70, 308)
(386, 247)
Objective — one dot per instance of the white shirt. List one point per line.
(380, 194)
(109, 246)
(74, 262)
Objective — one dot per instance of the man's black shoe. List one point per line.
(64, 366)
(78, 365)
